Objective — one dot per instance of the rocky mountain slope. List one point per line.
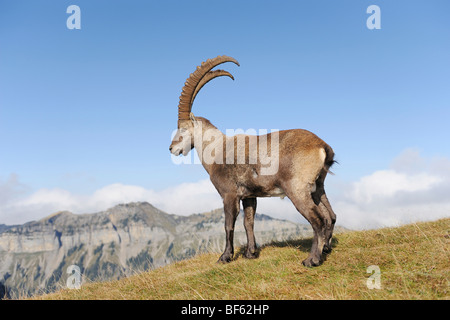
(409, 262)
(120, 241)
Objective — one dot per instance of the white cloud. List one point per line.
(183, 199)
(386, 183)
(412, 189)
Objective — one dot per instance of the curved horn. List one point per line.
(187, 94)
(207, 78)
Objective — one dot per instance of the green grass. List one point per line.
(413, 259)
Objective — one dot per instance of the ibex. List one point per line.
(302, 163)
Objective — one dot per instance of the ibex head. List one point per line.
(183, 141)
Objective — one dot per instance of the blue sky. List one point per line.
(81, 110)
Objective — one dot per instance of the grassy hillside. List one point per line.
(413, 259)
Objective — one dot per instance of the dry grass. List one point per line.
(414, 263)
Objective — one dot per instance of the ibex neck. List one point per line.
(207, 141)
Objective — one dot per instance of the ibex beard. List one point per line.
(292, 163)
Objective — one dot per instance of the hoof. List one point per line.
(250, 255)
(225, 258)
(327, 249)
(312, 262)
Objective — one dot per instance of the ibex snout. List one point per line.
(181, 142)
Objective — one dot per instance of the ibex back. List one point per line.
(292, 163)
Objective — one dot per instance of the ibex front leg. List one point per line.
(249, 219)
(231, 208)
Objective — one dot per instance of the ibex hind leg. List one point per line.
(321, 200)
(300, 195)
(331, 220)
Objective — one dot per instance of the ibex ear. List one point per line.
(193, 119)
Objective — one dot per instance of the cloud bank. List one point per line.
(183, 199)
(412, 189)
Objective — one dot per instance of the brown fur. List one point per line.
(304, 161)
